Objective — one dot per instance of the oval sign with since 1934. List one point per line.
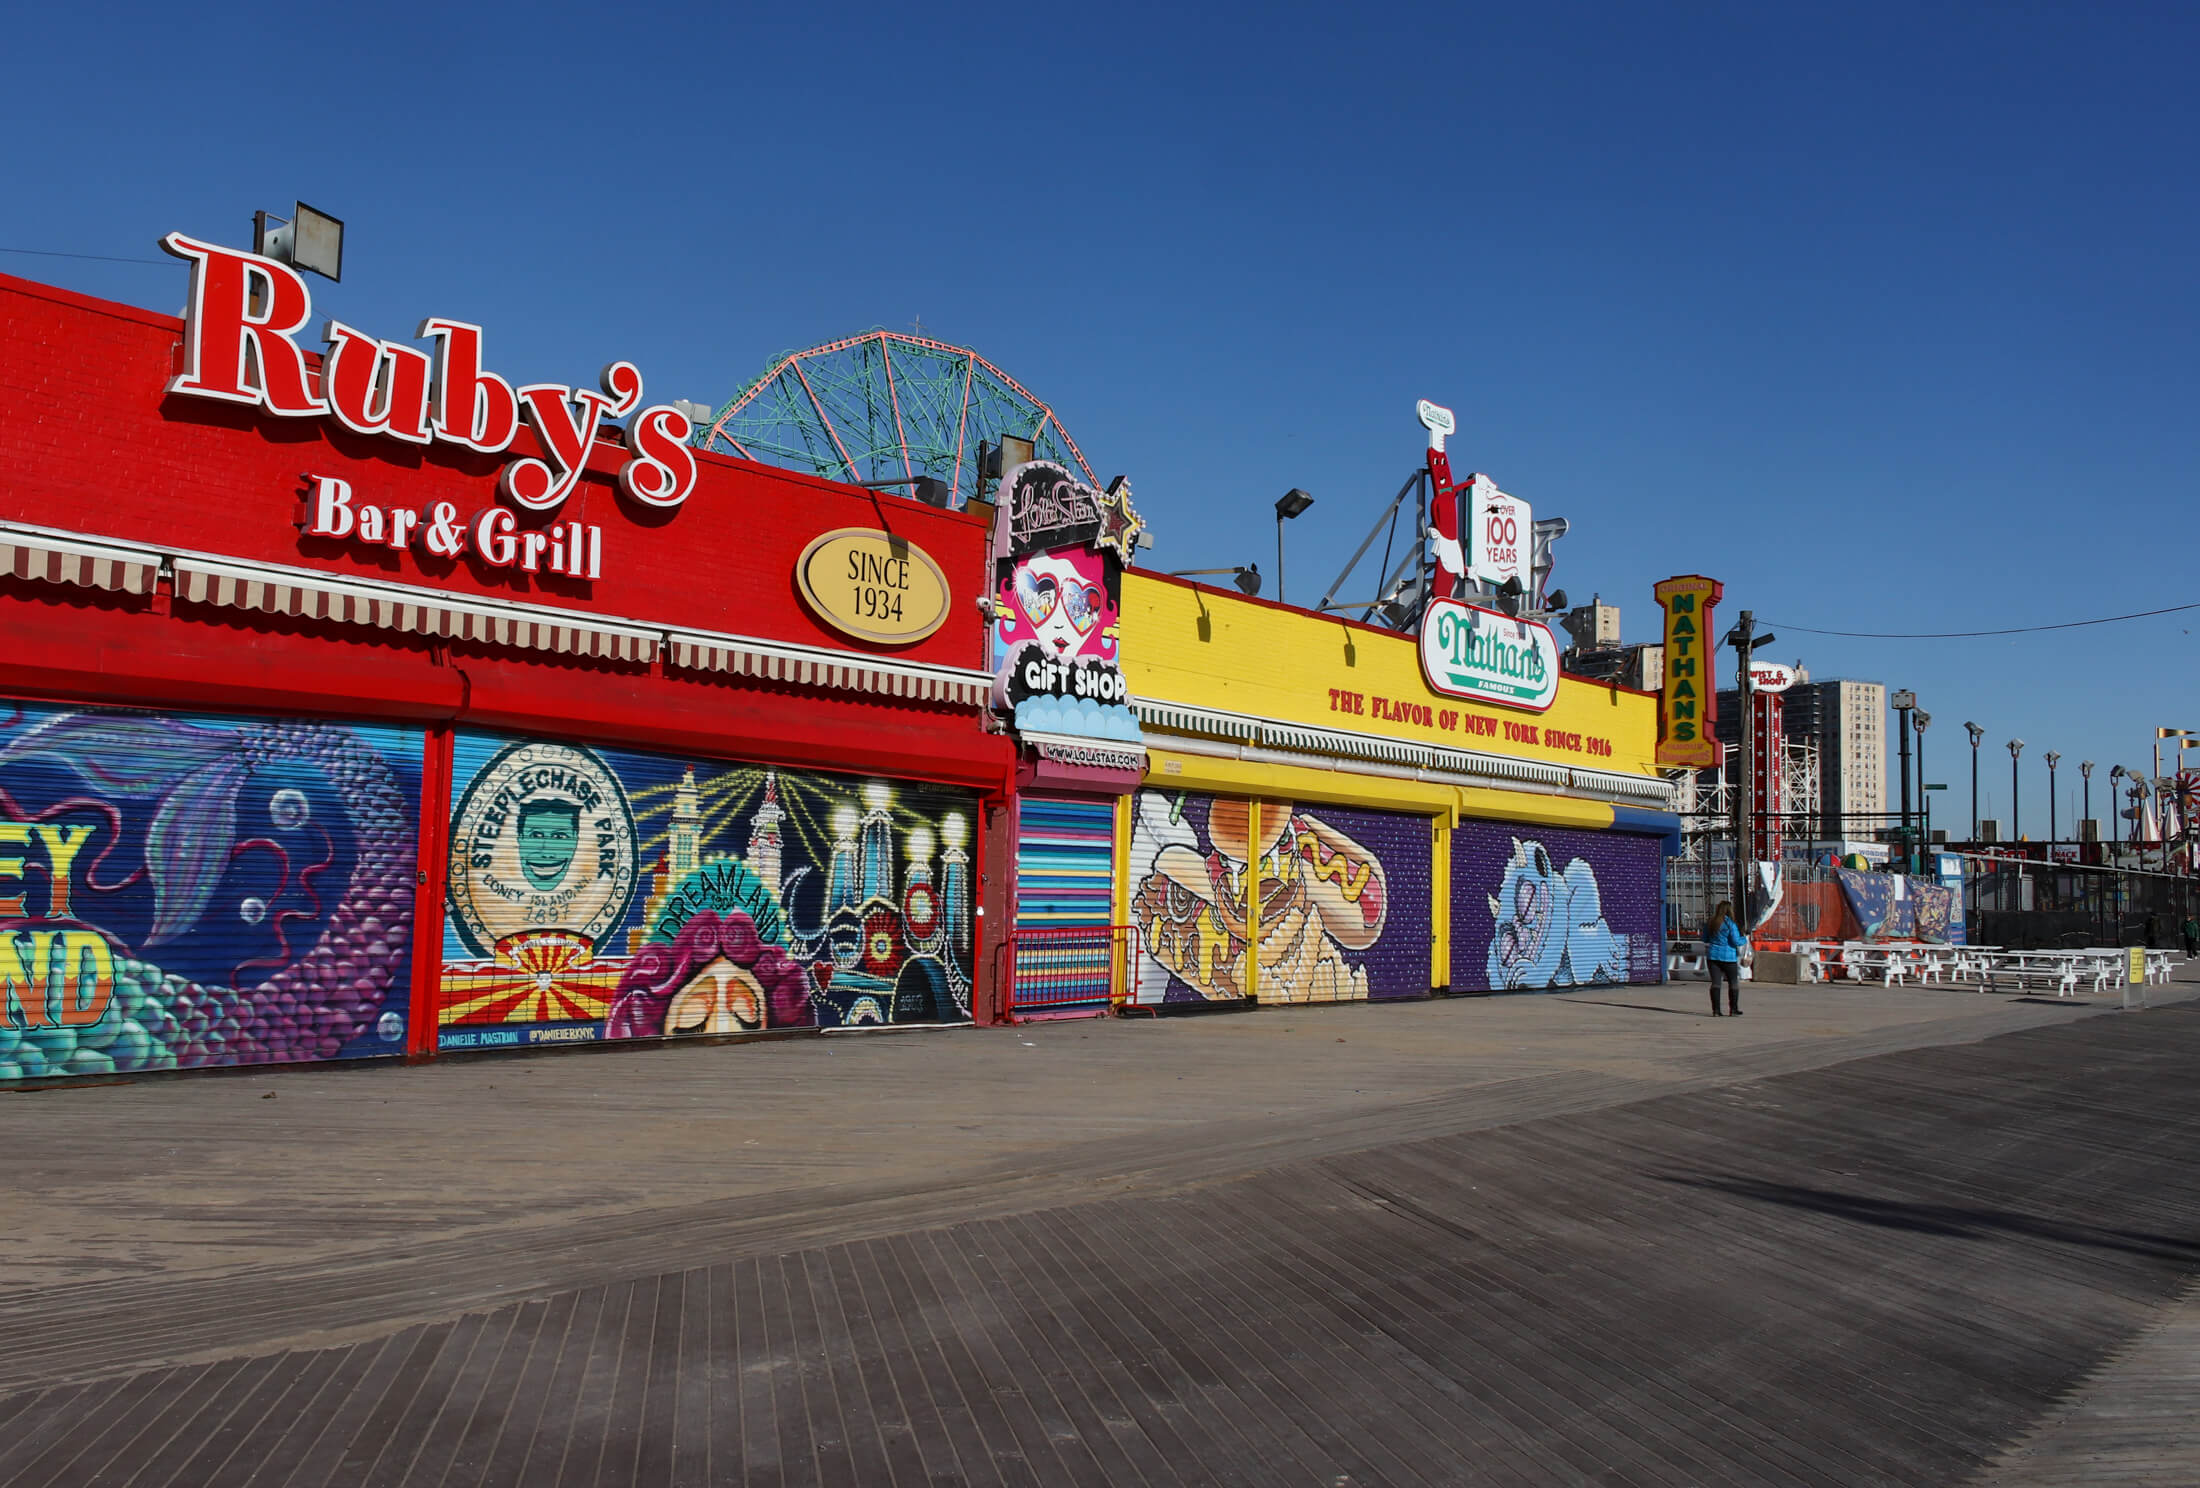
(873, 585)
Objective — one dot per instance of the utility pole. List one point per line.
(1745, 641)
(1902, 702)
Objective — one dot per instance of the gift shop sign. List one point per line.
(1470, 652)
(240, 345)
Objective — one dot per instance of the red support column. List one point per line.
(433, 874)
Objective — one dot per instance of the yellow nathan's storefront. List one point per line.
(1317, 823)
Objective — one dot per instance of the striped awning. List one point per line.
(804, 667)
(402, 607)
(81, 561)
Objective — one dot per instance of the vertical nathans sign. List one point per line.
(240, 346)
(1688, 703)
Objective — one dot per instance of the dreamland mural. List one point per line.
(1541, 907)
(180, 891)
(610, 894)
(1344, 901)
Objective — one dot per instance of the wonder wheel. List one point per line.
(885, 406)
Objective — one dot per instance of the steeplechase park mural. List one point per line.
(182, 891)
(606, 894)
(1542, 907)
(1343, 895)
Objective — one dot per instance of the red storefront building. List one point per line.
(361, 704)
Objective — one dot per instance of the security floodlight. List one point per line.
(1245, 575)
(2085, 768)
(1919, 718)
(2053, 758)
(311, 240)
(2016, 747)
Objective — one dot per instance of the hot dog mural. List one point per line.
(1544, 907)
(1343, 901)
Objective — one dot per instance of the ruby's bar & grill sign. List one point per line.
(1688, 703)
(239, 346)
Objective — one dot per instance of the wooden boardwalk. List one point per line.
(1909, 1268)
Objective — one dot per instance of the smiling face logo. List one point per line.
(542, 838)
(549, 831)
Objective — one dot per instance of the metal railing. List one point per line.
(1063, 970)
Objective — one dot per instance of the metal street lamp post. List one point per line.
(1288, 505)
(2053, 759)
(1902, 702)
(2085, 771)
(1977, 734)
(2115, 812)
(1919, 718)
(2016, 811)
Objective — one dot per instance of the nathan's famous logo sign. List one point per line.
(1688, 702)
(1470, 652)
(240, 346)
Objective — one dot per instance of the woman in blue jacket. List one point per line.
(1724, 944)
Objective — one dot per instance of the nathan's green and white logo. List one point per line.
(1469, 652)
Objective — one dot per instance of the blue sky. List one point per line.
(1883, 315)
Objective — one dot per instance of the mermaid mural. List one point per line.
(184, 891)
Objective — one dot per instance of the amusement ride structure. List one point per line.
(889, 409)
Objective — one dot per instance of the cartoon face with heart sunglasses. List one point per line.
(1062, 608)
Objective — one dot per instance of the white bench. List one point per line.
(1889, 964)
(2026, 971)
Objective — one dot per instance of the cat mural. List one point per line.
(1551, 930)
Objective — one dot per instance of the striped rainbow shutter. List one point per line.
(1065, 882)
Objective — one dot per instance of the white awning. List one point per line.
(807, 666)
(272, 588)
(27, 553)
(314, 596)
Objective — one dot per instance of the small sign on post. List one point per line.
(2135, 974)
